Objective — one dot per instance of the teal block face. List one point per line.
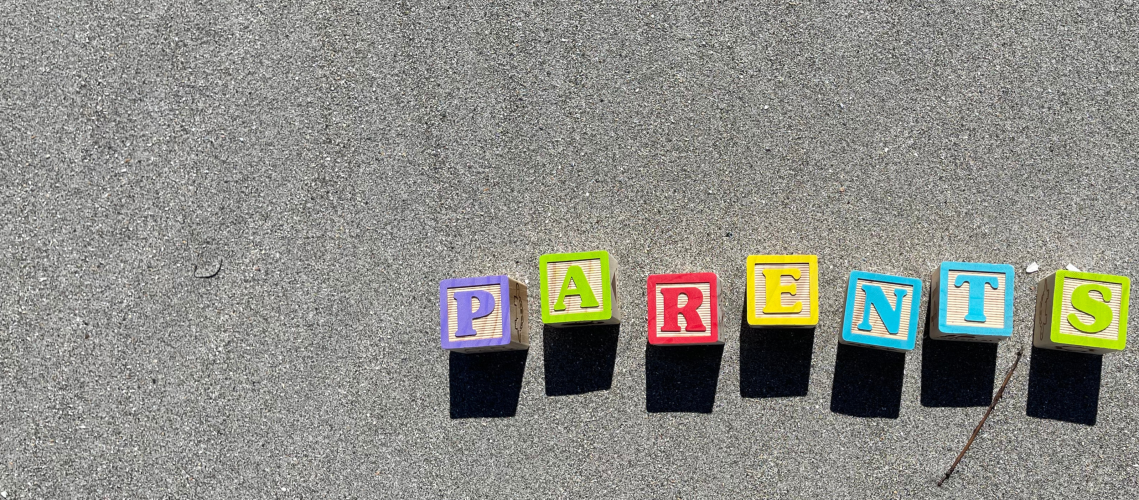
(882, 311)
(974, 302)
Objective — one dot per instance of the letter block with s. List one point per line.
(483, 314)
(1082, 312)
(579, 289)
(684, 309)
(783, 291)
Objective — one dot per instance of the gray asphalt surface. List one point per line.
(339, 159)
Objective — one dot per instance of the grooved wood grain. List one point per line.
(802, 289)
(556, 272)
(486, 327)
(519, 312)
(705, 310)
(957, 303)
(876, 326)
(1112, 330)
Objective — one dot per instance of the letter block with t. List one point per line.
(579, 289)
(783, 291)
(974, 302)
(483, 314)
(1084, 312)
(684, 309)
(881, 311)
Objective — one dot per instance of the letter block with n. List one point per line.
(1083, 312)
(881, 311)
(579, 289)
(684, 309)
(483, 314)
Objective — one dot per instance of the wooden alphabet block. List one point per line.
(1083, 312)
(475, 317)
(974, 302)
(579, 289)
(684, 309)
(881, 311)
(783, 290)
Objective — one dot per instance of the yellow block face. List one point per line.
(556, 271)
(782, 290)
(486, 327)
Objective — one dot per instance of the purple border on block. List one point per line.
(504, 299)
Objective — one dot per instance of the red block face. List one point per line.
(683, 309)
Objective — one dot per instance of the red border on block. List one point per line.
(695, 278)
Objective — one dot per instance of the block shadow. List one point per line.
(775, 362)
(956, 373)
(867, 382)
(486, 385)
(682, 378)
(579, 359)
(1064, 386)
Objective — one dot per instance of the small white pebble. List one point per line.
(1072, 268)
(4, 494)
(1033, 267)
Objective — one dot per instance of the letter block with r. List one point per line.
(683, 309)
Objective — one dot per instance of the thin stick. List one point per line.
(1000, 392)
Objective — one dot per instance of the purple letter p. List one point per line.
(466, 317)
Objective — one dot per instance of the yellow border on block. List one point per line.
(812, 266)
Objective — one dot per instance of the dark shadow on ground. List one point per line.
(867, 382)
(1064, 386)
(775, 362)
(579, 359)
(486, 384)
(682, 378)
(957, 373)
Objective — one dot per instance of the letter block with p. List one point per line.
(783, 291)
(973, 302)
(1082, 312)
(483, 314)
(579, 289)
(684, 309)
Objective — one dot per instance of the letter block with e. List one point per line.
(483, 314)
(783, 291)
(881, 311)
(684, 309)
(1083, 312)
(974, 302)
(579, 289)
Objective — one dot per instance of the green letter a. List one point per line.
(572, 285)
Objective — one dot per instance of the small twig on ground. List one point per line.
(1000, 392)
(215, 273)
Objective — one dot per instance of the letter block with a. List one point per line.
(1083, 312)
(684, 309)
(483, 314)
(579, 289)
(783, 291)
(881, 311)
(974, 302)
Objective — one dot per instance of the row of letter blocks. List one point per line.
(1075, 311)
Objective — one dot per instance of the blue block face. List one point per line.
(882, 311)
(974, 300)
